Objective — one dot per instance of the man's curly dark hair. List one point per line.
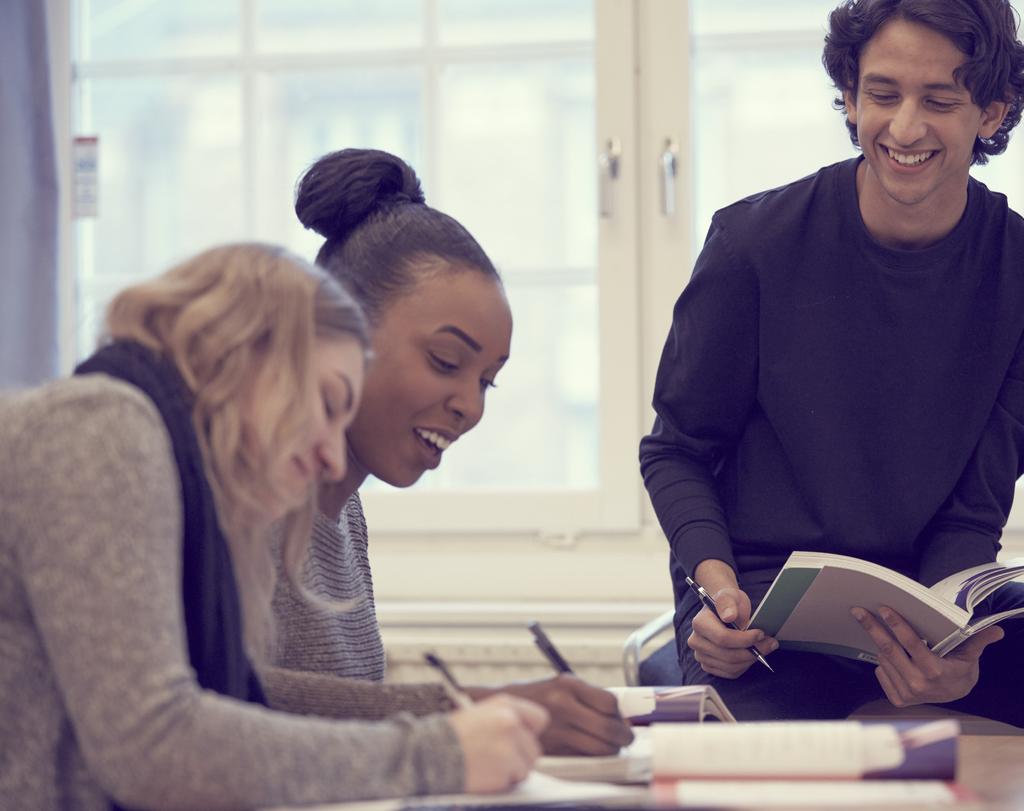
(985, 31)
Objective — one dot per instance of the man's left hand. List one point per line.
(910, 673)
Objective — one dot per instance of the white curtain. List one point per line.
(28, 200)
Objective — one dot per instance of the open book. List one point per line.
(689, 703)
(808, 605)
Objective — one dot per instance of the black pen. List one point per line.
(709, 602)
(548, 649)
(460, 698)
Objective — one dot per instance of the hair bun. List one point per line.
(343, 188)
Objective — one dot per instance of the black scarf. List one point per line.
(213, 619)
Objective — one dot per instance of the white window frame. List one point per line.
(524, 550)
(576, 567)
(615, 505)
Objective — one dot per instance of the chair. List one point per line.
(641, 640)
(648, 660)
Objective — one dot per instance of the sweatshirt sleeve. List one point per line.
(966, 530)
(704, 390)
(100, 563)
(334, 697)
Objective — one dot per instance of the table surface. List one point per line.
(993, 767)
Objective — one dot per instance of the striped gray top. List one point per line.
(344, 645)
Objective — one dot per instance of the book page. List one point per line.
(775, 749)
(715, 706)
(822, 621)
(970, 586)
(803, 793)
(637, 702)
(689, 703)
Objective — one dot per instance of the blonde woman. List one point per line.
(135, 571)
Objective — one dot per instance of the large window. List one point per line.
(207, 113)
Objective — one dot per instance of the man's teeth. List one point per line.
(908, 160)
(436, 440)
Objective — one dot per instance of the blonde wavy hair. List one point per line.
(231, 319)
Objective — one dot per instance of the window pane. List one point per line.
(170, 173)
(516, 161)
(732, 16)
(305, 115)
(126, 29)
(1005, 173)
(516, 167)
(505, 146)
(762, 113)
(761, 118)
(338, 26)
(488, 22)
(92, 301)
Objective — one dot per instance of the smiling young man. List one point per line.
(845, 371)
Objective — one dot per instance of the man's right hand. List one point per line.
(720, 650)
(499, 737)
(585, 719)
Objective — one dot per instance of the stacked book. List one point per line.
(763, 764)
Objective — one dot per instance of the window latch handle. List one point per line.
(608, 171)
(668, 164)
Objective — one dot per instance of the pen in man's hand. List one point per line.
(709, 602)
(548, 649)
(460, 698)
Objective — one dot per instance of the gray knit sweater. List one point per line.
(345, 647)
(97, 699)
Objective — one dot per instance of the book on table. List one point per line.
(821, 763)
(793, 750)
(762, 764)
(641, 706)
(808, 605)
(687, 703)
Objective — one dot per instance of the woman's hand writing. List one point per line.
(499, 741)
